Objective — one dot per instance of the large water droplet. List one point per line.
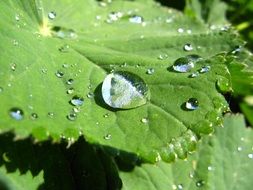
(124, 90)
(136, 19)
(77, 101)
(16, 113)
(183, 65)
(51, 15)
(192, 104)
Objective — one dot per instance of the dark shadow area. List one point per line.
(176, 4)
(80, 167)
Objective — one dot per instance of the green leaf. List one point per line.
(223, 161)
(40, 55)
(212, 12)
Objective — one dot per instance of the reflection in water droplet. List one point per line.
(188, 47)
(59, 74)
(136, 19)
(34, 116)
(16, 113)
(51, 15)
(144, 120)
(192, 104)
(150, 71)
(77, 101)
(124, 90)
(71, 116)
(204, 69)
(70, 91)
(107, 136)
(70, 81)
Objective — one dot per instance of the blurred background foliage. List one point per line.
(239, 13)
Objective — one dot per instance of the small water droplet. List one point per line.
(136, 19)
(17, 17)
(192, 104)
(70, 81)
(64, 49)
(71, 116)
(204, 69)
(106, 115)
(180, 30)
(15, 42)
(162, 56)
(90, 95)
(250, 156)
(107, 136)
(180, 187)
(16, 113)
(50, 114)
(194, 75)
(44, 70)
(70, 91)
(65, 65)
(77, 101)
(76, 109)
(34, 116)
(189, 31)
(144, 120)
(59, 74)
(13, 66)
(209, 168)
(124, 90)
(51, 15)
(150, 71)
(200, 183)
(239, 148)
(191, 174)
(188, 47)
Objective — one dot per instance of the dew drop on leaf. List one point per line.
(183, 65)
(17, 17)
(64, 48)
(106, 115)
(50, 114)
(34, 116)
(188, 47)
(13, 66)
(209, 168)
(192, 104)
(107, 136)
(71, 116)
(77, 101)
(150, 71)
(15, 42)
(16, 113)
(59, 74)
(90, 95)
(70, 81)
(194, 75)
(144, 120)
(223, 84)
(180, 30)
(180, 187)
(136, 19)
(239, 148)
(200, 183)
(250, 156)
(204, 69)
(70, 91)
(51, 15)
(124, 90)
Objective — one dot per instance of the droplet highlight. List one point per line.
(77, 101)
(16, 113)
(51, 15)
(192, 104)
